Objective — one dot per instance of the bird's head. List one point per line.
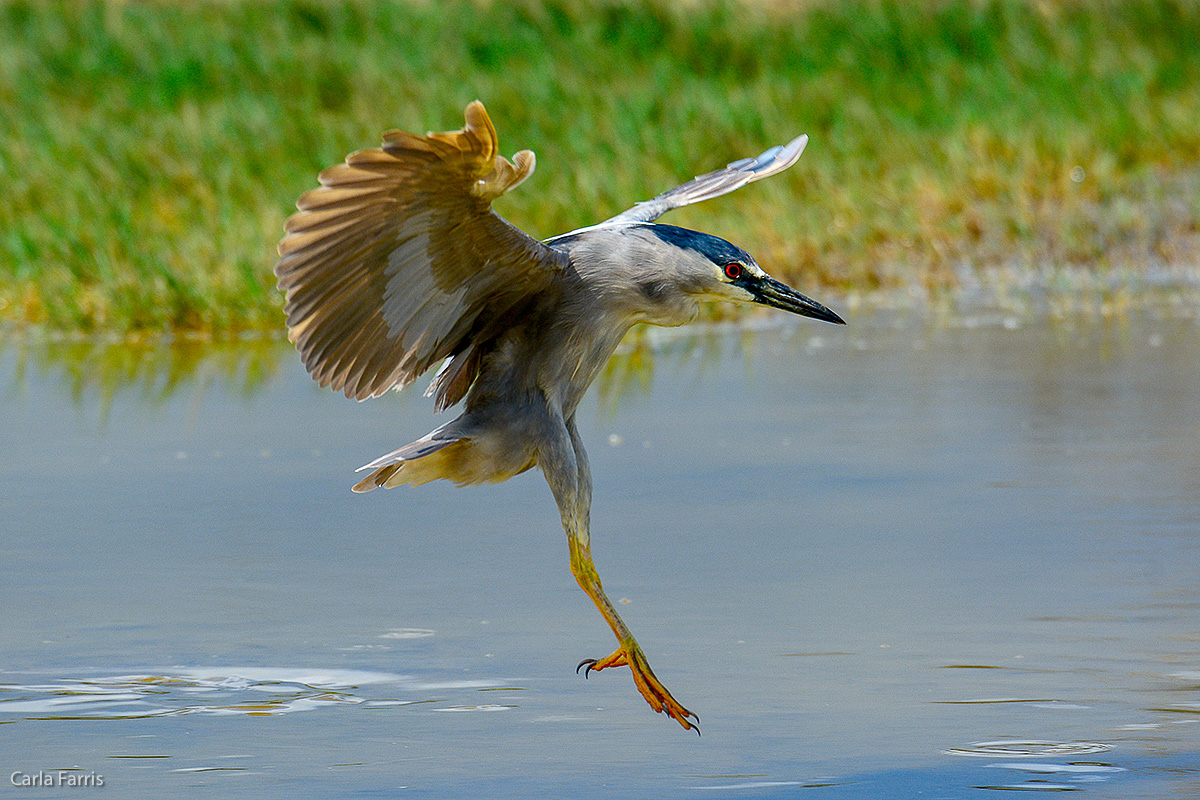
(719, 270)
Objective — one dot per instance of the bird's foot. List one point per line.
(643, 677)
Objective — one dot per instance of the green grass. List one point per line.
(151, 151)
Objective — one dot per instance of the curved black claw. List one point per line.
(590, 662)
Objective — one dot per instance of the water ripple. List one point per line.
(1028, 748)
(1042, 776)
(250, 691)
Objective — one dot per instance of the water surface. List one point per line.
(916, 556)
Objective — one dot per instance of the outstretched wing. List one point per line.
(392, 263)
(715, 184)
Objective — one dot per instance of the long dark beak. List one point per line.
(771, 292)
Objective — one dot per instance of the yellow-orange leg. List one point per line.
(628, 653)
(565, 465)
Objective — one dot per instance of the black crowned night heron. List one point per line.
(397, 262)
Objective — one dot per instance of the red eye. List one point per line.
(733, 271)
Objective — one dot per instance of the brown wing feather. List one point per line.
(392, 263)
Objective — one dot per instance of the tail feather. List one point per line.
(384, 468)
(376, 479)
(411, 451)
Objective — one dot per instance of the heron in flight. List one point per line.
(397, 262)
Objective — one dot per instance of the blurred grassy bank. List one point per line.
(150, 151)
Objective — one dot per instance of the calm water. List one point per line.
(913, 557)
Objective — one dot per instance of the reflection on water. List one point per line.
(919, 556)
(97, 372)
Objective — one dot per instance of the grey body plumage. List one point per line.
(397, 262)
